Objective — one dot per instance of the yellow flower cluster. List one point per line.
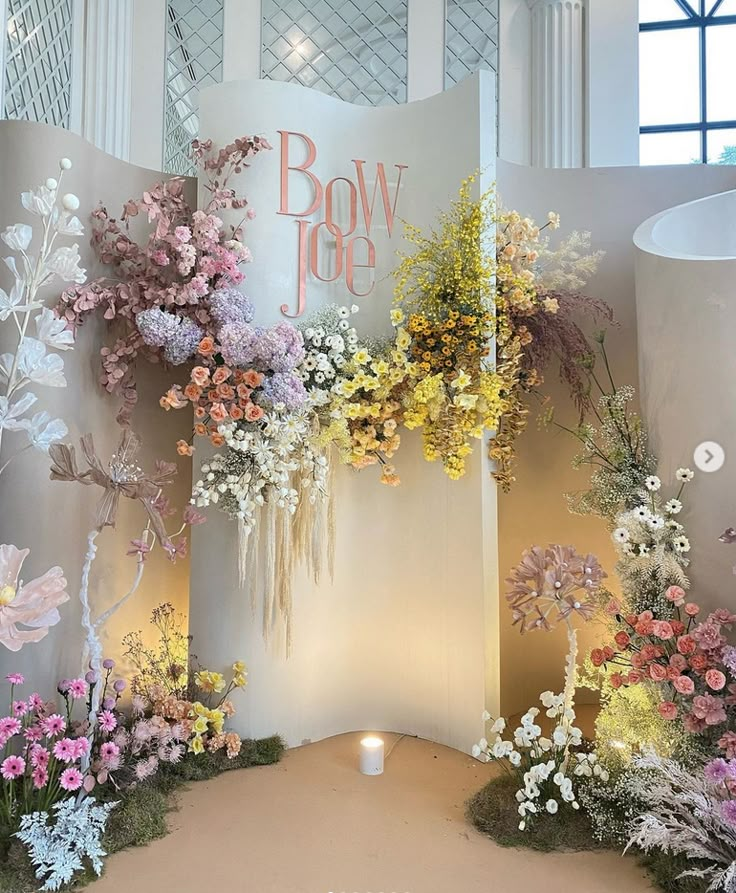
(207, 720)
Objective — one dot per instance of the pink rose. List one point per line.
(679, 661)
(686, 645)
(691, 609)
(676, 594)
(668, 710)
(684, 685)
(662, 629)
(657, 672)
(715, 679)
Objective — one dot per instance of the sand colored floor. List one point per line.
(313, 824)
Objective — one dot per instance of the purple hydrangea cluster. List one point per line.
(228, 305)
(179, 336)
(286, 388)
(278, 349)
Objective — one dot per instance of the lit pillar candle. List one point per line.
(371, 756)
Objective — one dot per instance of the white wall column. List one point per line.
(241, 51)
(107, 75)
(558, 81)
(149, 67)
(425, 48)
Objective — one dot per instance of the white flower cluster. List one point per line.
(545, 766)
(651, 527)
(269, 460)
(32, 362)
(329, 342)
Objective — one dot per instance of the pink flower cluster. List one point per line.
(690, 661)
(187, 255)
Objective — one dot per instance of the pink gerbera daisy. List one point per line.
(40, 776)
(78, 689)
(12, 767)
(71, 779)
(107, 721)
(20, 708)
(65, 750)
(39, 757)
(53, 725)
(15, 678)
(35, 701)
(81, 748)
(109, 751)
(33, 734)
(9, 726)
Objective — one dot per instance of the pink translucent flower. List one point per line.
(9, 726)
(15, 678)
(138, 548)
(34, 604)
(66, 750)
(109, 751)
(107, 721)
(40, 776)
(78, 689)
(192, 516)
(40, 757)
(12, 767)
(715, 679)
(53, 725)
(71, 779)
(668, 710)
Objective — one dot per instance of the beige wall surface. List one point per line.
(611, 203)
(53, 519)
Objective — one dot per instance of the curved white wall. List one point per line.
(406, 637)
(686, 312)
(53, 519)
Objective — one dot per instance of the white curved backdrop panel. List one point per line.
(686, 312)
(406, 636)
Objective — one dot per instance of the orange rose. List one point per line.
(252, 378)
(253, 412)
(200, 430)
(222, 373)
(207, 346)
(218, 413)
(225, 391)
(244, 391)
(192, 392)
(200, 376)
(236, 413)
(200, 412)
(183, 448)
(217, 439)
(212, 396)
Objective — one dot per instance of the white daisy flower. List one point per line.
(681, 544)
(642, 513)
(643, 549)
(673, 507)
(343, 312)
(621, 535)
(652, 483)
(684, 474)
(655, 522)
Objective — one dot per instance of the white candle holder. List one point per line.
(371, 755)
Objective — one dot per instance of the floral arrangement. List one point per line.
(164, 665)
(167, 278)
(37, 360)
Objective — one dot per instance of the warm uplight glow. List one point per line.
(372, 742)
(371, 755)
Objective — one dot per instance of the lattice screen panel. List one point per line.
(353, 49)
(38, 69)
(193, 61)
(471, 38)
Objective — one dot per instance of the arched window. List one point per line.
(687, 71)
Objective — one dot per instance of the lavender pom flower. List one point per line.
(238, 343)
(179, 336)
(286, 388)
(278, 349)
(228, 305)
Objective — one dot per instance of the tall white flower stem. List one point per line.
(93, 646)
(571, 665)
